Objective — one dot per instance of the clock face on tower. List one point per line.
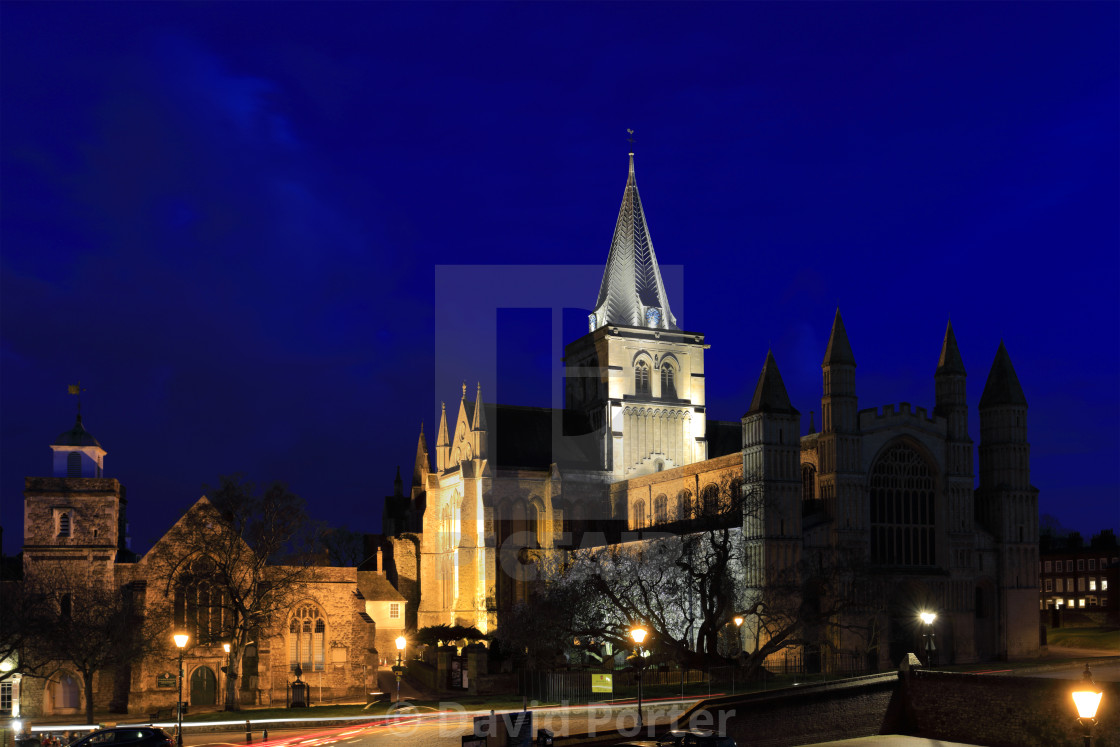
(590, 322)
(653, 317)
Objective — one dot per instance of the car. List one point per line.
(132, 736)
(694, 738)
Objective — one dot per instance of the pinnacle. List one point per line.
(950, 360)
(839, 351)
(1002, 386)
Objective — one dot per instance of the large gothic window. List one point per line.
(684, 505)
(808, 482)
(201, 607)
(902, 510)
(660, 509)
(641, 378)
(668, 387)
(307, 634)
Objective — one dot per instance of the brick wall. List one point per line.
(1001, 711)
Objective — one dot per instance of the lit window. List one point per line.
(1080, 602)
(1104, 584)
(306, 644)
(1049, 585)
(394, 610)
(1092, 584)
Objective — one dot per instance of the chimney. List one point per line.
(379, 561)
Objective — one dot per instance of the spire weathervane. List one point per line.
(630, 140)
(76, 390)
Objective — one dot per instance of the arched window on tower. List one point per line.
(668, 387)
(641, 378)
(74, 464)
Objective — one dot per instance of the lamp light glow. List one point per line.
(1087, 696)
(5, 666)
(928, 617)
(638, 634)
(738, 620)
(181, 639)
(225, 647)
(401, 643)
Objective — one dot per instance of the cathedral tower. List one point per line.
(771, 480)
(1006, 503)
(952, 404)
(840, 472)
(636, 376)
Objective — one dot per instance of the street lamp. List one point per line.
(225, 670)
(638, 633)
(928, 619)
(399, 668)
(1086, 698)
(180, 641)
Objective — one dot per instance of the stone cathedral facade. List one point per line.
(634, 449)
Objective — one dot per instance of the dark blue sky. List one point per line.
(228, 220)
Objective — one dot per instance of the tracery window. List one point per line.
(709, 501)
(639, 519)
(660, 509)
(902, 510)
(201, 607)
(307, 634)
(684, 505)
(808, 482)
(641, 378)
(668, 387)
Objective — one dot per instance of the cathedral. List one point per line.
(634, 449)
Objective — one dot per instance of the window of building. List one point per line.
(1104, 564)
(74, 464)
(1081, 584)
(639, 520)
(1092, 601)
(808, 482)
(1069, 565)
(660, 509)
(668, 387)
(64, 524)
(1080, 602)
(641, 378)
(1046, 566)
(683, 507)
(1092, 564)
(394, 610)
(1081, 564)
(709, 501)
(1092, 584)
(201, 609)
(306, 642)
(1071, 602)
(1049, 585)
(6, 699)
(1104, 584)
(902, 511)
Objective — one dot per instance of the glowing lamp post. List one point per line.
(398, 670)
(638, 633)
(928, 619)
(1087, 698)
(181, 642)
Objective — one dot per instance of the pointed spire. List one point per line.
(1002, 387)
(422, 466)
(478, 422)
(442, 439)
(770, 393)
(398, 489)
(839, 350)
(632, 293)
(950, 360)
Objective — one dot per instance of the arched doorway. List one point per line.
(204, 687)
(67, 696)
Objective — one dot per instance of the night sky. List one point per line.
(229, 221)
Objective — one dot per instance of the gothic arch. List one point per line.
(668, 357)
(642, 355)
(307, 636)
(903, 490)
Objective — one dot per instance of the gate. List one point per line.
(204, 687)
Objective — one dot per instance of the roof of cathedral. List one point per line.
(724, 437)
(631, 293)
(1002, 387)
(770, 393)
(376, 588)
(76, 436)
(950, 361)
(839, 349)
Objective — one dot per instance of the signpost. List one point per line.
(602, 683)
(166, 679)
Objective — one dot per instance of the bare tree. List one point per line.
(234, 565)
(24, 610)
(92, 624)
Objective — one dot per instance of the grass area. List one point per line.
(1104, 638)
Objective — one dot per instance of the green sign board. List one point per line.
(165, 680)
(601, 683)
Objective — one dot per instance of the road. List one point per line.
(446, 728)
